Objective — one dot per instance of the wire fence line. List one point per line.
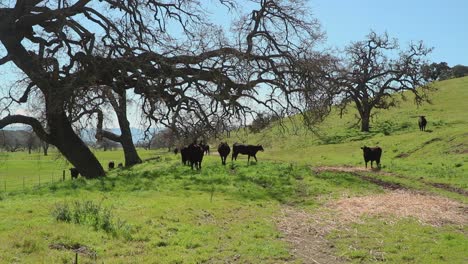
(23, 171)
(29, 182)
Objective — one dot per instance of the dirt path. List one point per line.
(307, 232)
(360, 172)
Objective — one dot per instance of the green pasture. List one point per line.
(163, 212)
(439, 155)
(20, 170)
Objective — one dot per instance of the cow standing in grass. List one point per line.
(195, 155)
(223, 150)
(74, 173)
(184, 155)
(111, 165)
(422, 123)
(206, 148)
(249, 150)
(372, 154)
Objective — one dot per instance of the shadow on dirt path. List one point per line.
(361, 173)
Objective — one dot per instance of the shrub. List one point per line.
(386, 127)
(91, 214)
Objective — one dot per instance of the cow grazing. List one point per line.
(195, 155)
(206, 148)
(422, 123)
(184, 155)
(249, 150)
(223, 150)
(74, 173)
(111, 165)
(371, 154)
(120, 165)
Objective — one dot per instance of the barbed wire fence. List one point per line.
(45, 170)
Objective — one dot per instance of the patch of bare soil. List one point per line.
(306, 232)
(77, 248)
(402, 155)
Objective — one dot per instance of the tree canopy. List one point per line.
(166, 51)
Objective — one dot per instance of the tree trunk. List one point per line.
(130, 153)
(125, 138)
(72, 147)
(45, 147)
(365, 120)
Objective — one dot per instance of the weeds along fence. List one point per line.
(20, 171)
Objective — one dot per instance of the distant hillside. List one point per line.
(17, 139)
(441, 152)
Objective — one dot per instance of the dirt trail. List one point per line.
(306, 232)
(359, 171)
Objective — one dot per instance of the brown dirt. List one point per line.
(77, 248)
(402, 155)
(306, 232)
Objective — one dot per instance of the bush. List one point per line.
(91, 214)
(386, 127)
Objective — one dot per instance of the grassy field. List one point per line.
(20, 170)
(163, 212)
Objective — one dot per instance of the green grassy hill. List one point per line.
(440, 154)
(286, 208)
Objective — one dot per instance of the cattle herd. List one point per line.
(193, 154)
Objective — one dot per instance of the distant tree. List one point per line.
(459, 71)
(45, 147)
(375, 69)
(435, 71)
(165, 138)
(261, 121)
(32, 141)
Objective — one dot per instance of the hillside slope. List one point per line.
(439, 155)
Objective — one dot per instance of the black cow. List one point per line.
(249, 150)
(184, 155)
(223, 150)
(176, 150)
(371, 154)
(74, 173)
(206, 148)
(422, 123)
(195, 155)
(120, 165)
(111, 165)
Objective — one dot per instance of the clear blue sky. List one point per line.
(440, 24)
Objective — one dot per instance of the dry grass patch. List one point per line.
(306, 232)
(427, 209)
